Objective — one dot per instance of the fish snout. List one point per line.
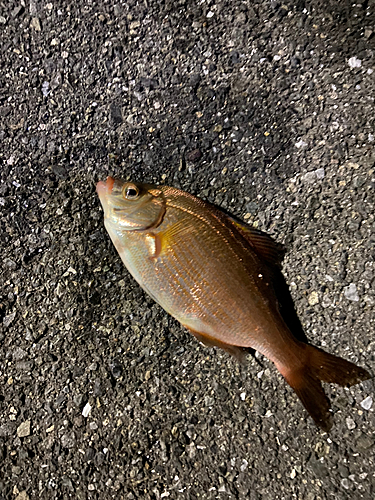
(105, 187)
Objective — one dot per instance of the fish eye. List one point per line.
(131, 192)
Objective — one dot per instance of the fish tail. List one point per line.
(320, 366)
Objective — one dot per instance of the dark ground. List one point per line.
(266, 109)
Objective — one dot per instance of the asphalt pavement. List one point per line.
(264, 108)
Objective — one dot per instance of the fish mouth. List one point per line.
(105, 187)
(104, 190)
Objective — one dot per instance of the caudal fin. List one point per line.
(321, 366)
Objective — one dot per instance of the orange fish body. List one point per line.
(214, 275)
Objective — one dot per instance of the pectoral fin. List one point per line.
(154, 244)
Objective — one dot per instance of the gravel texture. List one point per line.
(262, 107)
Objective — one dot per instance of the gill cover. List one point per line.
(131, 206)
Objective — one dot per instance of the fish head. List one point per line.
(131, 206)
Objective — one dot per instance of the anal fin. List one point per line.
(237, 352)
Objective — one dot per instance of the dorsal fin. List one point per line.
(266, 248)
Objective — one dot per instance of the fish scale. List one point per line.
(197, 287)
(194, 260)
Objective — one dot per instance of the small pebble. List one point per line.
(300, 144)
(311, 177)
(345, 483)
(68, 440)
(313, 298)
(23, 496)
(367, 403)
(45, 89)
(35, 23)
(320, 173)
(24, 429)
(350, 423)
(7, 320)
(244, 465)
(354, 62)
(326, 301)
(351, 293)
(86, 410)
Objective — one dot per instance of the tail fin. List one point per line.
(321, 366)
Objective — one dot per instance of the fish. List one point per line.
(215, 275)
